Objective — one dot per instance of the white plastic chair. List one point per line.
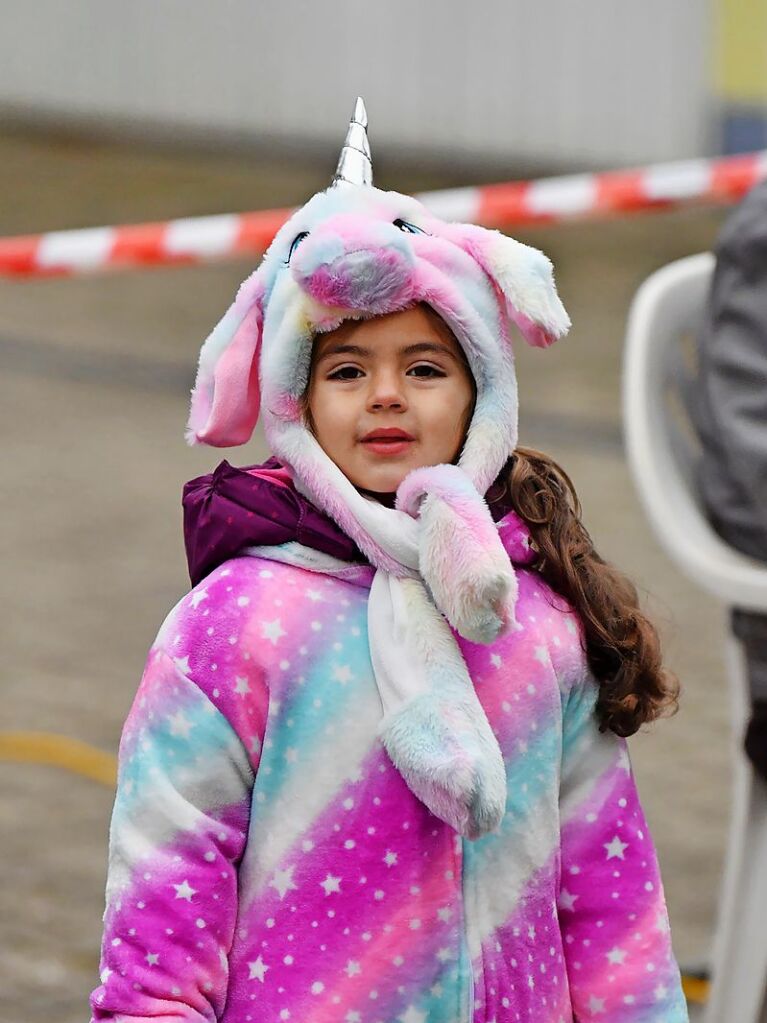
(664, 317)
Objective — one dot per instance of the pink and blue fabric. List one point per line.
(268, 863)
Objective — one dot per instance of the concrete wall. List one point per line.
(566, 82)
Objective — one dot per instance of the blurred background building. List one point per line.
(552, 83)
(740, 81)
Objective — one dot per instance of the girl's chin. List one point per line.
(384, 480)
(380, 487)
(386, 499)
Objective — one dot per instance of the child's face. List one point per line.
(404, 371)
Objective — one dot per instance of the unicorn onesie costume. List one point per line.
(372, 789)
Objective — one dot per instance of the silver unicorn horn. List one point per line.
(355, 164)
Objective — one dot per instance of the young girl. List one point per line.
(375, 771)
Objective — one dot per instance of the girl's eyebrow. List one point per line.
(420, 346)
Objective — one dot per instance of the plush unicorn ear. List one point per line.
(524, 278)
(226, 396)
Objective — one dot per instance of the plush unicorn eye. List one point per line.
(407, 227)
(295, 243)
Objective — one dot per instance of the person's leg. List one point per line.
(751, 629)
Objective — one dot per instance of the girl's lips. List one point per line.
(381, 446)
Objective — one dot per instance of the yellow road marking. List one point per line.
(60, 751)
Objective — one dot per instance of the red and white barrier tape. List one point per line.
(546, 200)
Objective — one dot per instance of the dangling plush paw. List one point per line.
(447, 762)
(467, 569)
(462, 558)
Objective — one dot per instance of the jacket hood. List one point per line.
(232, 508)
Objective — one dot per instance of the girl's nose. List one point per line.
(385, 392)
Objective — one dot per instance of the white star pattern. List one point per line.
(343, 674)
(541, 654)
(390, 858)
(616, 956)
(331, 884)
(179, 725)
(496, 660)
(353, 968)
(283, 881)
(258, 969)
(152, 958)
(241, 685)
(567, 899)
(660, 992)
(412, 1015)
(185, 891)
(596, 1005)
(198, 597)
(616, 849)
(273, 631)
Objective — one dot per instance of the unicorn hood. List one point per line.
(353, 252)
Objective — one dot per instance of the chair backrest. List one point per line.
(659, 374)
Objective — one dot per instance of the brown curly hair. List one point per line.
(621, 643)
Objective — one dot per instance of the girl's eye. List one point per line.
(423, 371)
(407, 227)
(336, 374)
(295, 243)
(430, 370)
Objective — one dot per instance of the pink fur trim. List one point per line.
(282, 476)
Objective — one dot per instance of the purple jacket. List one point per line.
(233, 508)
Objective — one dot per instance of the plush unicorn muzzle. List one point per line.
(355, 264)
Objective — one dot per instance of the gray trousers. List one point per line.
(751, 629)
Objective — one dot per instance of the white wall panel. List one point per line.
(590, 82)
